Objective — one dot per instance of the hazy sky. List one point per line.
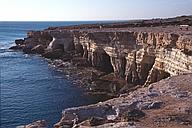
(68, 10)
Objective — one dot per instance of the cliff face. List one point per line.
(139, 56)
(116, 58)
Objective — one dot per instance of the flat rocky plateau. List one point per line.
(143, 69)
(163, 104)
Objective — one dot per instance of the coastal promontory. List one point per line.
(144, 67)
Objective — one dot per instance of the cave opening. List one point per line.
(79, 49)
(106, 65)
(101, 60)
(123, 67)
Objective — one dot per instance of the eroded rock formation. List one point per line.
(118, 58)
(139, 55)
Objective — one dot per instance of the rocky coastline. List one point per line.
(143, 67)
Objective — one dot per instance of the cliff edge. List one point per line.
(123, 59)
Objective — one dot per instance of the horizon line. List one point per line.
(99, 20)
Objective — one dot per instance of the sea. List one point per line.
(30, 89)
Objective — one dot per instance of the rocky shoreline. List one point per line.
(122, 62)
(163, 104)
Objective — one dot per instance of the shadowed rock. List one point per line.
(39, 49)
(55, 54)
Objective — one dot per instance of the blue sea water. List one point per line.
(30, 89)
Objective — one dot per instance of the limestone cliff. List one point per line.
(138, 55)
(118, 58)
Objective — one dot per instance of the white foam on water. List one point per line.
(6, 44)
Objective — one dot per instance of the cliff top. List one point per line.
(182, 20)
(179, 25)
(182, 30)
